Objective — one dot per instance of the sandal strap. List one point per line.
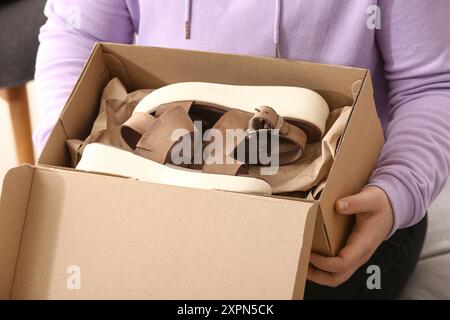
(267, 118)
(153, 137)
(137, 125)
(163, 108)
(233, 119)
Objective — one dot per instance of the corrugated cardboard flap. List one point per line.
(356, 159)
(131, 239)
(13, 207)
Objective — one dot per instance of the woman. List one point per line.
(405, 44)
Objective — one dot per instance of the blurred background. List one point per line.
(20, 21)
(8, 153)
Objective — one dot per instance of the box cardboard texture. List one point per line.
(134, 240)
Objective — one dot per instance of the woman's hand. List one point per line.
(374, 220)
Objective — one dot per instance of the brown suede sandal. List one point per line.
(156, 139)
(149, 156)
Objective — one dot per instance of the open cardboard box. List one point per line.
(66, 234)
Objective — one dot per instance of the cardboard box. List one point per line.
(66, 234)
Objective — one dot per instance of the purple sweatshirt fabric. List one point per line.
(405, 44)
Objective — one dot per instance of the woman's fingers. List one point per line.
(327, 279)
(355, 253)
(373, 223)
(365, 201)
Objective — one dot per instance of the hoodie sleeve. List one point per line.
(66, 40)
(414, 41)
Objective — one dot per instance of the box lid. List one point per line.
(121, 238)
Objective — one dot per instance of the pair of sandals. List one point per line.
(162, 146)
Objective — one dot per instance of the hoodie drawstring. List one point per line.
(276, 28)
(276, 25)
(187, 18)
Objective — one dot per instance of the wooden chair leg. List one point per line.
(17, 99)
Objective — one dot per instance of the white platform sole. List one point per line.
(289, 102)
(106, 159)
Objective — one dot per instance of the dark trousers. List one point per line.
(396, 257)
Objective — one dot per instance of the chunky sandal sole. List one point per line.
(302, 104)
(107, 159)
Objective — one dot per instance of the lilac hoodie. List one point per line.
(405, 44)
